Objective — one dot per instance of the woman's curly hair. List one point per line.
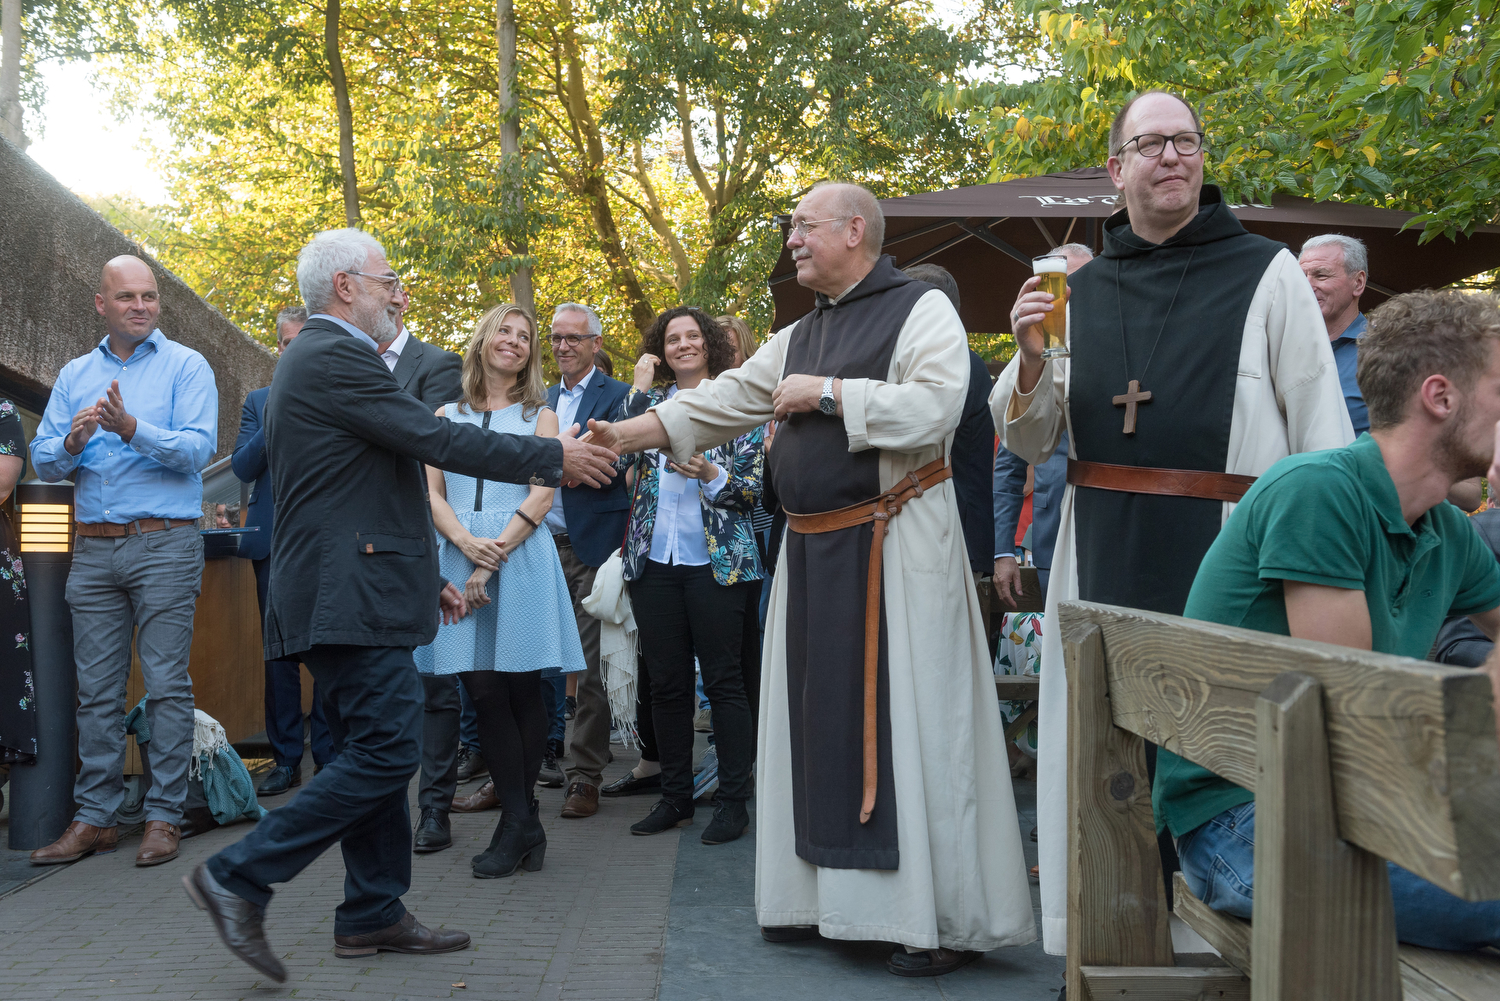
(717, 342)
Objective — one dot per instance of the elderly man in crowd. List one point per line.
(134, 422)
(283, 677)
(1336, 266)
(885, 804)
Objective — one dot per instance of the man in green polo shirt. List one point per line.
(1356, 546)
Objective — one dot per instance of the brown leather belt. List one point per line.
(110, 530)
(880, 510)
(1171, 482)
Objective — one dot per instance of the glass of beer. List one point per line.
(1053, 270)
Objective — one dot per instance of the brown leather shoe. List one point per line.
(159, 843)
(78, 840)
(407, 935)
(484, 799)
(582, 801)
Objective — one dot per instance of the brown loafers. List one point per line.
(582, 801)
(407, 935)
(484, 799)
(78, 840)
(159, 843)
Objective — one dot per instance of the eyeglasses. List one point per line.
(804, 226)
(572, 340)
(395, 280)
(1151, 144)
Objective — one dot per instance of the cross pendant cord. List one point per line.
(1134, 394)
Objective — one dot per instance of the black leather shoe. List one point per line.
(663, 817)
(629, 785)
(570, 706)
(407, 935)
(551, 776)
(789, 933)
(470, 764)
(519, 842)
(433, 833)
(278, 780)
(731, 820)
(237, 920)
(928, 962)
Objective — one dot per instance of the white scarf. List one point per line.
(609, 602)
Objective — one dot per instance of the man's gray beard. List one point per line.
(373, 317)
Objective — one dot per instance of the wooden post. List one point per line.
(1117, 904)
(1324, 928)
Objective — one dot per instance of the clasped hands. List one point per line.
(108, 413)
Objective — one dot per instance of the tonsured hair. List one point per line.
(1422, 334)
(1117, 127)
(596, 328)
(716, 343)
(530, 389)
(328, 253)
(1356, 258)
(852, 200)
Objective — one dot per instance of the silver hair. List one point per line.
(1075, 249)
(857, 200)
(292, 314)
(328, 253)
(596, 328)
(1356, 258)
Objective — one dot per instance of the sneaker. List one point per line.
(706, 780)
(731, 820)
(703, 722)
(663, 817)
(616, 737)
(570, 706)
(550, 776)
(470, 764)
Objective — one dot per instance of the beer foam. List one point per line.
(1049, 265)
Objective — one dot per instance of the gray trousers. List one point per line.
(590, 748)
(147, 582)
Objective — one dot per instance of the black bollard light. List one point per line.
(41, 794)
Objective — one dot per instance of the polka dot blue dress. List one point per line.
(528, 624)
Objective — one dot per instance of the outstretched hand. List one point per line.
(584, 461)
(451, 603)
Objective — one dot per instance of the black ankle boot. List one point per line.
(518, 842)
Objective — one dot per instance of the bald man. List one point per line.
(133, 422)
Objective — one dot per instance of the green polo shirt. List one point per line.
(1331, 518)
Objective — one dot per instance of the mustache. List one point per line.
(801, 254)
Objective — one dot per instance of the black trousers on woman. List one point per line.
(682, 611)
(512, 730)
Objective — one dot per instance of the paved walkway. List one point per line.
(611, 917)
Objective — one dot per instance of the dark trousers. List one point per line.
(513, 728)
(554, 690)
(284, 698)
(440, 724)
(374, 700)
(682, 611)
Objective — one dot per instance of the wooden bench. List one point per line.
(1355, 758)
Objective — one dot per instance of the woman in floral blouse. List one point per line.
(690, 557)
(17, 696)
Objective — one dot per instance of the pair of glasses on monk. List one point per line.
(391, 283)
(1152, 144)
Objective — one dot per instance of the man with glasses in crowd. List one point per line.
(1199, 358)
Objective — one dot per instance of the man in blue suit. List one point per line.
(587, 524)
(283, 677)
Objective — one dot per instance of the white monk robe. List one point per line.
(1287, 400)
(961, 882)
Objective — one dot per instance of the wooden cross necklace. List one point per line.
(1134, 394)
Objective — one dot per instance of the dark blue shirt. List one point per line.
(1346, 354)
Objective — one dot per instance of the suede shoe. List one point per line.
(278, 780)
(159, 843)
(433, 832)
(238, 921)
(582, 801)
(731, 820)
(484, 799)
(470, 764)
(629, 785)
(663, 817)
(78, 840)
(407, 935)
(551, 776)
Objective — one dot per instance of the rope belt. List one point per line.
(880, 510)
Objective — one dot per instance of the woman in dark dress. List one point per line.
(17, 695)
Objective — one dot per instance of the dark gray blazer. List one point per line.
(429, 373)
(353, 559)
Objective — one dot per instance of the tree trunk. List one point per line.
(346, 114)
(510, 148)
(10, 73)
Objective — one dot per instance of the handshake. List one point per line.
(590, 458)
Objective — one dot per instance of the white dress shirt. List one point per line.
(392, 354)
(678, 535)
(567, 413)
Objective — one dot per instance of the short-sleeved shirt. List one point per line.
(1330, 518)
(1346, 357)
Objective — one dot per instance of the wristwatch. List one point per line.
(826, 402)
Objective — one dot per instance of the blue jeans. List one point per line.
(554, 690)
(1218, 861)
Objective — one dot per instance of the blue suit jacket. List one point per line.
(1046, 501)
(596, 517)
(249, 464)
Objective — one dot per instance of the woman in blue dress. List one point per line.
(521, 625)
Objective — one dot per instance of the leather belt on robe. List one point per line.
(880, 510)
(1229, 487)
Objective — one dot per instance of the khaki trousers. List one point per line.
(589, 751)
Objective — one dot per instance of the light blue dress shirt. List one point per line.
(1346, 355)
(374, 345)
(567, 410)
(169, 389)
(678, 535)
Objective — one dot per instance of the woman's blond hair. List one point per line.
(740, 331)
(530, 389)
